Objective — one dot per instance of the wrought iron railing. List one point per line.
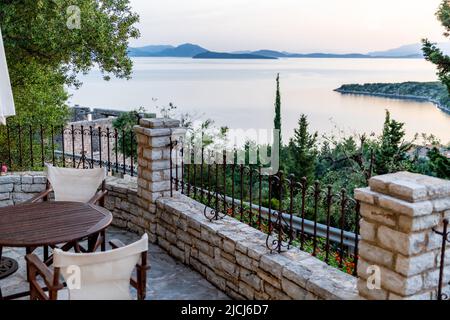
(77, 146)
(292, 212)
(445, 233)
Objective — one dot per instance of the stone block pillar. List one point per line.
(153, 137)
(399, 212)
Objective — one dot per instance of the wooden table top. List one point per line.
(50, 223)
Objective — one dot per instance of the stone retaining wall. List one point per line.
(233, 256)
(123, 202)
(19, 187)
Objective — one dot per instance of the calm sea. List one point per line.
(241, 93)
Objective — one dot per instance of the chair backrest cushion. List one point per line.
(100, 275)
(77, 185)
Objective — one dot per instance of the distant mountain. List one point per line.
(186, 50)
(410, 50)
(189, 50)
(144, 51)
(223, 55)
(278, 54)
(270, 53)
(242, 51)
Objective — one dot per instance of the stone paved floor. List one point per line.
(167, 280)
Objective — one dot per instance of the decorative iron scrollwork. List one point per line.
(214, 214)
(277, 236)
(279, 240)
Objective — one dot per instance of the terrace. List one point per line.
(210, 226)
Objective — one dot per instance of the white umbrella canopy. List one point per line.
(6, 97)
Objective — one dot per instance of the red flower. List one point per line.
(337, 257)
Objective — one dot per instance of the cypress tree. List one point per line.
(303, 151)
(277, 120)
(391, 151)
(277, 126)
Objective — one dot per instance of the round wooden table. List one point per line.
(50, 223)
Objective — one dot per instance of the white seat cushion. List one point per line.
(100, 275)
(76, 185)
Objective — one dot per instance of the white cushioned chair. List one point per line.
(75, 185)
(92, 276)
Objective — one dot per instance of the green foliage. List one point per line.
(431, 50)
(44, 55)
(274, 203)
(349, 162)
(439, 165)
(302, 150)
(391, 153)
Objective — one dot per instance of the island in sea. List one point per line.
(434, 92)
(224, 55)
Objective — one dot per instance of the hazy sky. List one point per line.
(291, 25)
